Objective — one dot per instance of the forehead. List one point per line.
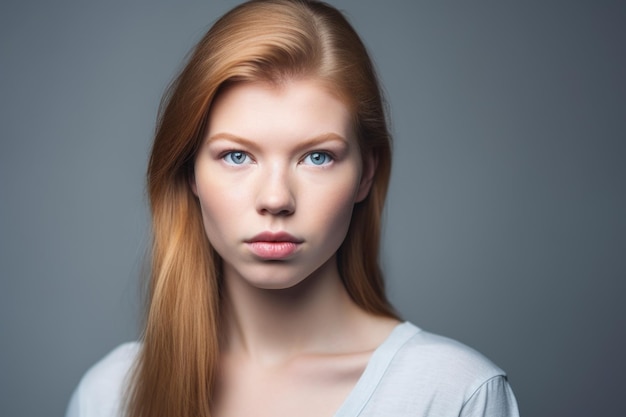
(294, 109)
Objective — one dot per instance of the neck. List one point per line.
(275, 325)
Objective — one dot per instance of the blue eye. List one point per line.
(318, 158)
(236, 158)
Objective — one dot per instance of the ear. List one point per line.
(192, 181)
(370, 163)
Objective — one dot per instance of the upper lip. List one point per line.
(274, 237)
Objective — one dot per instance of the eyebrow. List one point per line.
(308, 143)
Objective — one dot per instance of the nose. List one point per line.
(276, 194)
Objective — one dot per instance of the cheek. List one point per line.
(335, 206)
(338, 206)
(219, 205)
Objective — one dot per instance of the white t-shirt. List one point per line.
(413, 373)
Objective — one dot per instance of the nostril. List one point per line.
(275, 188)
(285, 212)
(284, 209)
(276, 200)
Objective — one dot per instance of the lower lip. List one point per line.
(273, 250)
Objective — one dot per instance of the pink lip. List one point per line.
(269, 245)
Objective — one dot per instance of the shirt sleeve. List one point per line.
(494, 398)
(73, 408)
(100, 392)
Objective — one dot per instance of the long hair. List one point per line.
(263, 40)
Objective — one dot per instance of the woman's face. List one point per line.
(277, 177)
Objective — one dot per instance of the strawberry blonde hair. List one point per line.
(263, 40)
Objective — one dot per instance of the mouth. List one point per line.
(274, 237)
(273, 246)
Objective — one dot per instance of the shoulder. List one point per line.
(441, 359)
(101, 390)
(430, 374)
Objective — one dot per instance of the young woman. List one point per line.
(267, 180)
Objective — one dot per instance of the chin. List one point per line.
(277, 281)
(278, 276)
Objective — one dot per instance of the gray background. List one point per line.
(505, 223)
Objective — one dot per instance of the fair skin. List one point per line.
(277, 177)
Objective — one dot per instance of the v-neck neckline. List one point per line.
(375, 369)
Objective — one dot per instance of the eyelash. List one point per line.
(228, 155)
(329, 157)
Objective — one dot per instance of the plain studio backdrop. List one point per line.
(505, 224)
